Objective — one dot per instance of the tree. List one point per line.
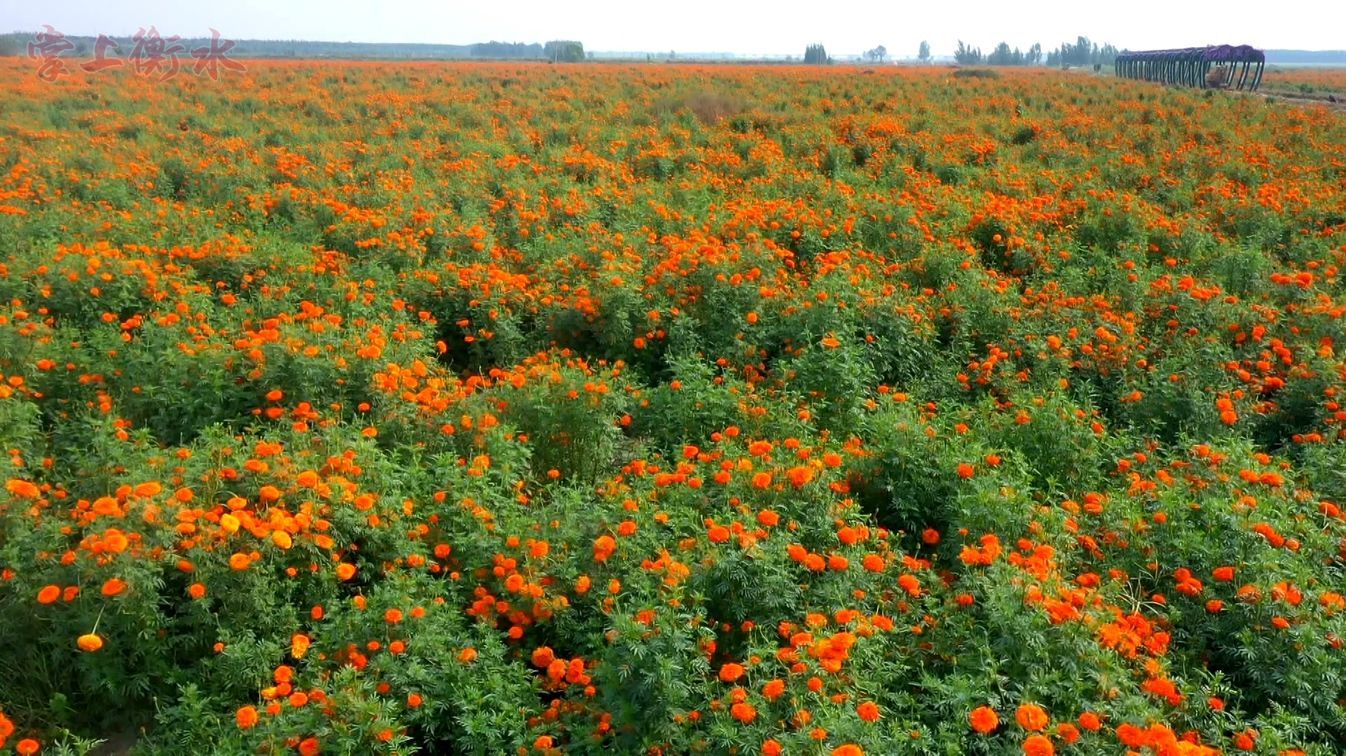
(878, 54)
(967, 56)
(1000, 56)
(816, 54)
(1082, 53)
(924, 54)
(1034, 55)
(563, 51)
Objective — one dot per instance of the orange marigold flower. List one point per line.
(1131, 735)
(113, 587)
(1038, 745)
(984, 720)
(89, 642)
(868, 711)
(799, 476)
(49, 594)
(910, 584)
(773, 689)
(604, 547)
(27, 747)
(23, 489)
(1068, 732)
(543, 656)
(731, 672)
(152, 488)
(1031, 717)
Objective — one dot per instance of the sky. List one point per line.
(750, 28)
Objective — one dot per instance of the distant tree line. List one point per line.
(16, 44)
(816, 55)
(1081, 53)
(1002, 55)
(495, 49)
(563, 51)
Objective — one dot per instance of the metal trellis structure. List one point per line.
(1219, 66)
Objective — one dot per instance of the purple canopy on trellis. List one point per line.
(1234, 53)
(1232, 66)
(1229, 53)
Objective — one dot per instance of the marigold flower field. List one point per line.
(384, 408)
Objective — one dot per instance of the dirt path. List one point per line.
(1334, 100)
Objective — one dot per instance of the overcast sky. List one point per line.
(753, 27)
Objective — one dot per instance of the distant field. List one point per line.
(379, 408)
(1313, 78)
